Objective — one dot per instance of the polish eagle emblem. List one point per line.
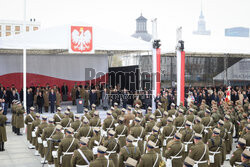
(81, 39)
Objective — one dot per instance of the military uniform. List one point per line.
(85, 131)
(28, 121)
(236, 157)
(156, 139)
(208, 123)
(58, 136)
(13, 118)
(179, 122)
(34, 127)
(187, 137)
(3, 135)
(175, 152)
(108, 123)
(121, 132)
(95, 121)
(138, 132)
(102, 162)
(39, 132)
(46, 101)
(58, 117)
(76, 125)
(19, 118)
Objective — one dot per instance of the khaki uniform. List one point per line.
(208, 123)
(113, 148)
(165, 103)
(46, 101)
(73, 95)
(65, 122)
(19, 117)
(35, 124)
(3, 135)
(245, 164)
(96, 138)
(117, 111)
(129, 151)
(28, 121)
(65, 157)
(172, 112)
(76, 125)
(57, 136)
(86, 98)
(77, 158)
(197, 151)
(39, 132)
(216, 147)
(95, 122)
(84, 131)
(138, 132)
(102, 162)
(162, 123)
(108, 124)
(121, 131)
(179, 122)
(175, 152)
(159, 113)
(13, 118)
(230, 129)
(71, 115)
(149, 126)
(58, 117)
(187, 139)
(199, 128)
(58, 99)
(86, 115)
(158, 142)
(128, 117)
(247, 138)
(236, 157)
(190, 117)
(149, 159)
(167, 135)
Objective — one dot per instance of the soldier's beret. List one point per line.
(1, 108)
(85, 120)
(130, 138)
(58, 127)
(84, 140)
(188, 123)
(227, 117)
(66, 112)
(248, 126)
(77, 116)
(137, 119)
(191, 109)
(137, 105)
(221, 122)
(68, 107)
(172, 104)
(181, 110)
(178, 135)
(116, 104)
(124, 110)
(59, 108)
(93, 105)
(189, 162)
(155, 129)
(121, 118)
(242, 141)
(216, 131)
(32, 108)
(151, 144)
(111, 132)
(13, 101)
(165, 113)
(111, 108)
(149, 108)
(139, 111)
(96, 129)
(37, 115)
(70, 130)
(198, 136)
(131, 162)
(44, 117)
(208, 111)
(159, 104)
(18, 102)
(170, 119)
(152, 116)
(51, 120)
(198, 119)
(86, 109)
(246, 154)
(109, 113)
(96, 113)
(102, 149)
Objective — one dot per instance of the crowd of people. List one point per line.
(198, 132)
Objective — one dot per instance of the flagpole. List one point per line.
(154, 68)
(24, 56)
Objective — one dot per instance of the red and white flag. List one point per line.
(228, 94)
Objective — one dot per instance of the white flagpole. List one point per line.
(24, 56)
(154, 37)
(178, 64)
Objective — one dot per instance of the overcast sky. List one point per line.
(120, 15)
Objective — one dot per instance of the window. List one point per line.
(8, 33)
(27, 28)
(35, 28)
(8, 28)
(17, 28)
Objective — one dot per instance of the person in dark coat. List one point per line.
(157, 100)
(92, 97)
(125, 97)
(52, 100)
(40, 102)
(64, 92)
(29, 100)
(5, 104)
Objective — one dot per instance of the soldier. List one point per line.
(230, 129)
(85, 130)
(131, 162)
(73, 95)
(149, 112)
(113, 148)
(164, 101)
(138, 133)
(247, 137)
(65, 122)
(223, 135)
(150, 124)
(198, 127)
(56, 139)
(128, 117)
(236, 156)
(34, 127)
(101, 161)
(121, 132)
(13, 118)
(208, 122)
(39, 132)
(3, 135)
(109, 122)
(187, 137)
(122, 113)
(77, 124)
(114, 115)
(95, 121)
(174, 151)
(172, 112)
(245, 159)
(86, 99)
(215, 145)
(58, 99)
(66, 148)
(71, 114)
(83, 155)
(199, 152)
(93, 108)
(179, 121)
(139, 114)
(151, 158)
(129, 151)
(46, 101)
(116, 109)
(163, 121)
(58, 115)
(96, 140)
(155, 138)
(190, 117)
(48, 132)
(28, 121)
(188, 162)
(19, 118)
(167, 133)
(86, 114)
(159, 111)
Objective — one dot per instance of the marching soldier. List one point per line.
(129, 151)
(216, 145)
(77, 124)
(121, 132)
(164, 101)
(3, 135)
(190, 117)
(112, 147)
(109, 122)
(174, 151)
(34, 127)
(223, 135)
(114, 115)
(179, 121)
(236, 156)
(151, 158)
(187, 137)
(86, 114)
(71, 114)
(163, 121)
(230, 129)
(129, 116)
(123, 113)
(247, 137)
(198, 127)
(159, 111)
(85, 130)
(19, 118)
(208, 122)
(83, 155)
(101, 161)
(13, 118)
(66, 148)
(58, 115)
(138, 133)
(149, 112)
(155, 138)
(39, 132)
(56, 138)
(95, 121)
(116, 109)
(93, 109)
(150, 124)
(96, 140)
(65, 122)
(172, 112)
(245, 158)
(28, 121)
(199, 152)
(139, 114)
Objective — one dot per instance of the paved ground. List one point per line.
(17, 153)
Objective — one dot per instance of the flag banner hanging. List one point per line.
(158, 71)
(180, 77)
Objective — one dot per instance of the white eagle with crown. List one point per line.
(82, 39)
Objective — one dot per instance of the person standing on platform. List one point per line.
(52, 100)
(73, 94)
(58, 99)
(40, 102)
(65, 92)
(46, 100)
(30, 99)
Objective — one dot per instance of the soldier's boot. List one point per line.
(3, 146)
(13, 129)
(18, 132)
